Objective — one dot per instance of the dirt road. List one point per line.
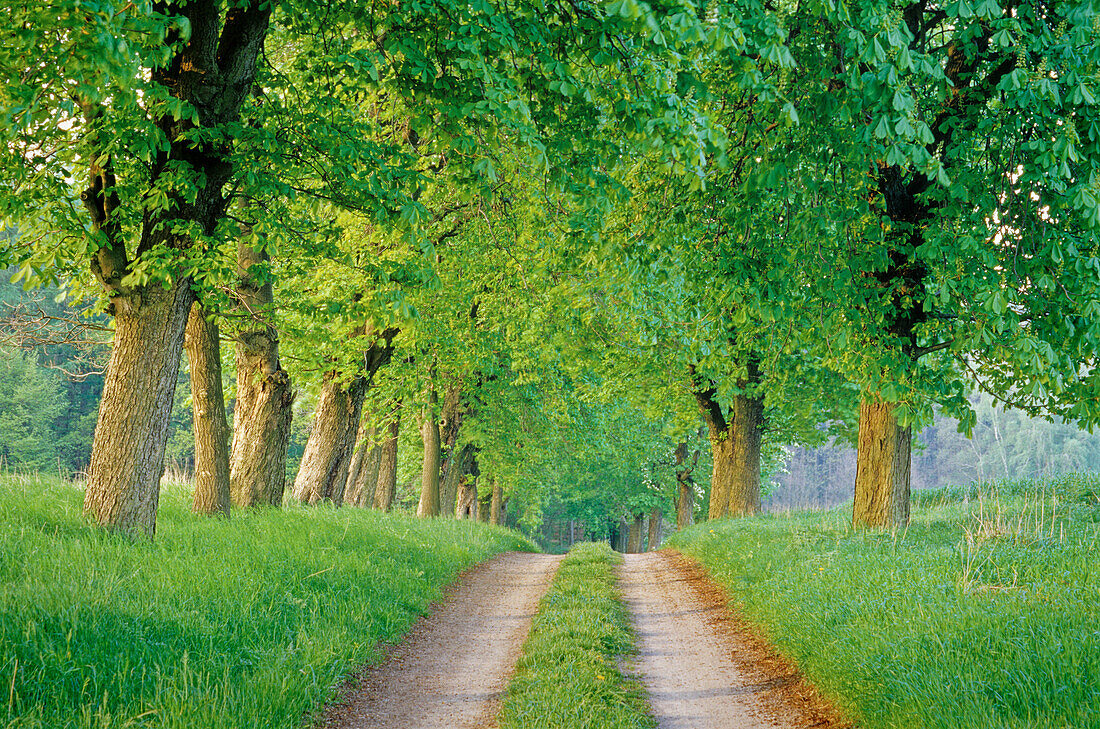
(702, 668)
(452, 670)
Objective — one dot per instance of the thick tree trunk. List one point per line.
(449, 423)
(213, 73)
(460, 467)
(386, 485)
(208, 411)
(355, 469)
(882, 467)
(123, 486)
(685, 505)
(735, 446)
(634, 541)
(721, 448)
(323, 474)
(685, 496)
(655, 517)
(745, 435)
(496, 506)
(363, 478)
(466, 503)
(429, 479)
(324, 469)
(263, 411)
(484, 507)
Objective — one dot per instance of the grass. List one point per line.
(569, 675)
(246, 622)
(985, 613)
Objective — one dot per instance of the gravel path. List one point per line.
(452, 669)
(702, 668)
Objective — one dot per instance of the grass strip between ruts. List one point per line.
(983, 614)
(245, 622)
(569, 677)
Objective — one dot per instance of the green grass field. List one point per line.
(985, 613)
(569, 677)
(246, 622)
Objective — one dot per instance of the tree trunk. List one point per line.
(882, 467)
(386, 485)
(208, 410)
(123, 486)
(496, 510)
(634, 541)
(323, 473)
(212, 73)
(324, 469)
(263, 411)
(685, 497)
(745, 435)
(685, 505)
(459, 468)
(655, 517)
(466, 503)
(484, 507)
(359, 449)
(449, 423)
(360, 491)
(735, 445)
(429, 479)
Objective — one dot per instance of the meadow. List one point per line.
(984, 613)
(246, 622)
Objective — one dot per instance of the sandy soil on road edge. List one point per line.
(451, 670)
(703, 667)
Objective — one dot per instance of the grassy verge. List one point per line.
(247, 622)
(568, 677)
(984, 613)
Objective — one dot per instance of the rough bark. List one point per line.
(123, 486)
(745, 435)
(263, 411)
(208, 411)
(466, 503)
(460, 467)
(484, 507)
(882, 467)
(655, 517)
(496, 506)
(355, 468)
(323, 473)
(685, 497)
(634, 539)
(386, 485)
(429, 478)
(213, 72)
(450, 421)
(735, 445)
(363, 480)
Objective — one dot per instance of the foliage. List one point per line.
(249, 622)
(31, 403)
(569, 673)
(982, 613)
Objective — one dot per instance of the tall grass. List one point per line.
(569, 676)
(984, 613)
(246, 622)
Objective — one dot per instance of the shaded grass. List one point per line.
(568, 677)
(984, 613)
(246, 622)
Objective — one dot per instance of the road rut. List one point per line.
(451, 671)
(702, 668)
